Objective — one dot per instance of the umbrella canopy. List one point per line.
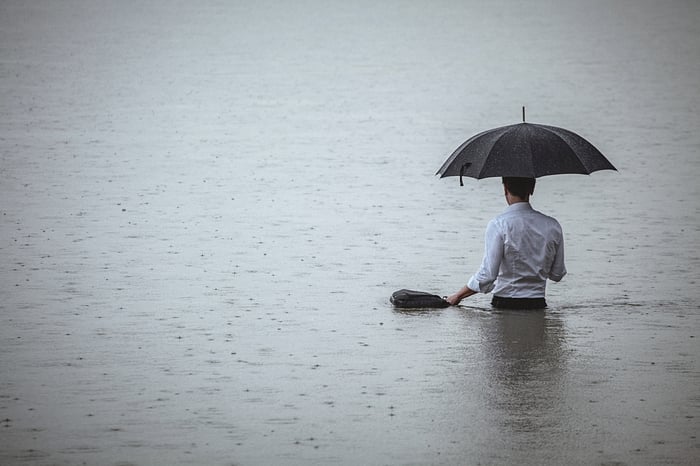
(524, 150)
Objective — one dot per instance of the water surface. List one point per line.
(206, 207)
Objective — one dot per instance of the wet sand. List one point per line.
(206, 208)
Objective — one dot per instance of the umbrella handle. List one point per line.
(461, 172)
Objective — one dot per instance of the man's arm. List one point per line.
(463, 292)
(558, 269)
(483, 280)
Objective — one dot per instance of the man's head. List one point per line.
(519, 187)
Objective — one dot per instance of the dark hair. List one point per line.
(521, 187)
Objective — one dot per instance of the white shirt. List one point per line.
(523, 249)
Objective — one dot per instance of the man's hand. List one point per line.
(460, 295)
(453, 299)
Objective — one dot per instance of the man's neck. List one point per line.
(511, 199)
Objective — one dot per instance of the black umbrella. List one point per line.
(524, 150)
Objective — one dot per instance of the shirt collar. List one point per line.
(519, 206)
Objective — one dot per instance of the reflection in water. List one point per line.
(525, 362)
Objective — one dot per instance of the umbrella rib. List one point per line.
(501, 136)
(457, 153)
(566, 143)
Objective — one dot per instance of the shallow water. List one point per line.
(205, 210)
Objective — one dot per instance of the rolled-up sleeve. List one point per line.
(484, 280)
(558, 269)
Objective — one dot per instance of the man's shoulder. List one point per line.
(534, 215)
(551, 223)
(542, 215)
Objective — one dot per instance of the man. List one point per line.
(523, 249)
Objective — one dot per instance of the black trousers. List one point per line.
(518, 303)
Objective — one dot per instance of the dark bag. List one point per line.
(416, 299)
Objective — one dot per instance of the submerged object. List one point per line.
(417, 299)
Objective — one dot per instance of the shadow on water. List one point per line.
(516, 375)
(527, 359)
(512, 369)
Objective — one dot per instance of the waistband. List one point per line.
(518, 303)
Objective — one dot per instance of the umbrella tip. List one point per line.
(523, 114)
